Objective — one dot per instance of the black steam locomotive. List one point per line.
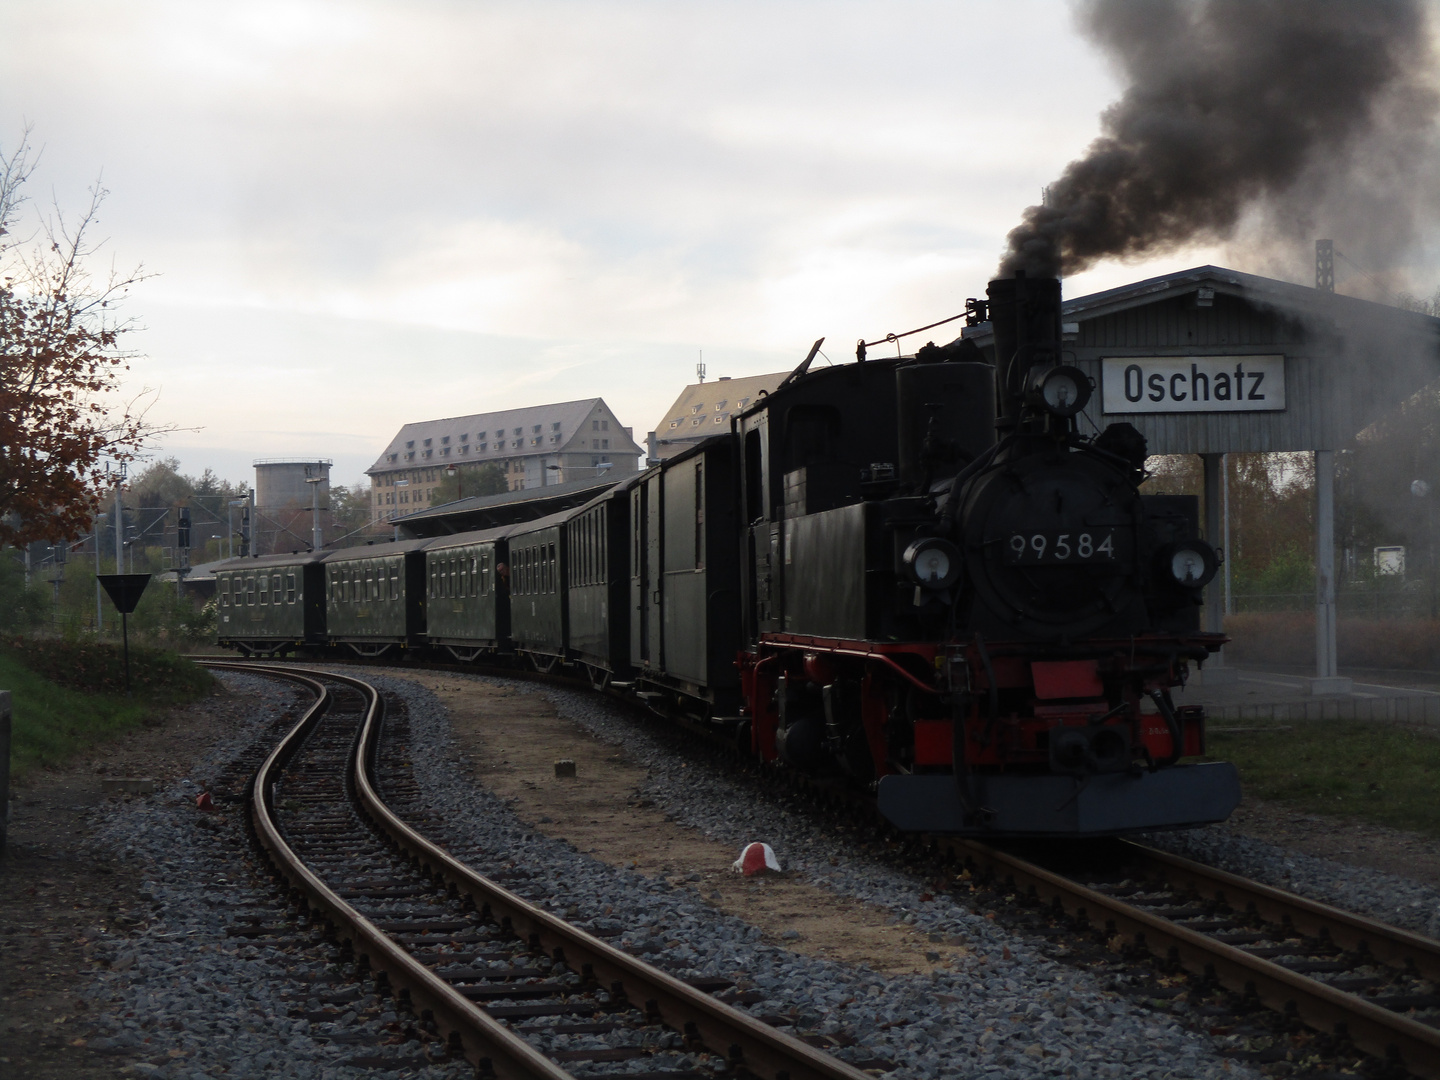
(914, 573)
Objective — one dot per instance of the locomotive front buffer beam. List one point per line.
(1178, 797)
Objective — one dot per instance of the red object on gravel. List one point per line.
(204, 802)
(757, 859)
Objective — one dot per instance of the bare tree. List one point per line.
(61, 365)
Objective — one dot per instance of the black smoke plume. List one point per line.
(1233, 106)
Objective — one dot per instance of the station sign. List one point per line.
(1192, 384)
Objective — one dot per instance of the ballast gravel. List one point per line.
(192, 1001)
(1003, 1010)
(189, 1000)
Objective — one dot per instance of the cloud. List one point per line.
(375, 213)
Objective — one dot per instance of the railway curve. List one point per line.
(535, 963)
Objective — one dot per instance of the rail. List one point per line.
(1379, 1031)
(746, 1042)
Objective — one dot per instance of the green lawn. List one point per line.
(81, 702)
(1385, 773)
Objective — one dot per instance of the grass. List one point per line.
(67, 697)
(1384, 773)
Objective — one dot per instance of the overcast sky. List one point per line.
(364, 214)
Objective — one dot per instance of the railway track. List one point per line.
(1360, 983)
(509, 986)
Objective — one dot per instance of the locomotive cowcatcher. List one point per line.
(953, 594)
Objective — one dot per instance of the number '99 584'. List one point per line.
(1050, 547)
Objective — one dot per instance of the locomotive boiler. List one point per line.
(954, 595)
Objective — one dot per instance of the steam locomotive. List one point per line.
(913, 573)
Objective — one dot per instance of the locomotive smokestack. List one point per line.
(1295, 115)
(1025, 315)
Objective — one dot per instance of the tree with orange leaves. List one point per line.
(61, 363)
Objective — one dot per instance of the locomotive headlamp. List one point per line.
(1189, 563)
(932, 562)
(1062, 391)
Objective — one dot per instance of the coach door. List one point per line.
(639, 608)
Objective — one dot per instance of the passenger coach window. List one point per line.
(225, 592)
(275, 588)
(250, 589)
(552, 569)
(394, 583)
(264, 583)
(289, 588)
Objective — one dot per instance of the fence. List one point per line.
(1382, 599)
(1415, 708)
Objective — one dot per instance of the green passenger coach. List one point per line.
(270, 605)
(376, 596)
(538, 622)
(467, 609)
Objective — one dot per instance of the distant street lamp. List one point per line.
(454, 470)
(1421, 490)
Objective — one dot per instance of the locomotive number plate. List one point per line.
(1058, 548)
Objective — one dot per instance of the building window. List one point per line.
(428, 441)
(604, 425)
(410, 456)
(719, 419)
(695, 422)
(464, 449)
(742, 403)
(446, 438)
(536, 429)
(696, 408)
(410, 445)
(446, 451)
(594, 425)
(464, 437)
(535, 441)
(594, 444)
(429, 452)
(555, 426)
(604, 444)
(484, 446)
(393, 457)
(674, 423)
(519, 431)
(719, 405)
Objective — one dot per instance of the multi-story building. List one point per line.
(534, 447)
(703, 409)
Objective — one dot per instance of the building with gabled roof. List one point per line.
(703, 409)
(535, 446)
